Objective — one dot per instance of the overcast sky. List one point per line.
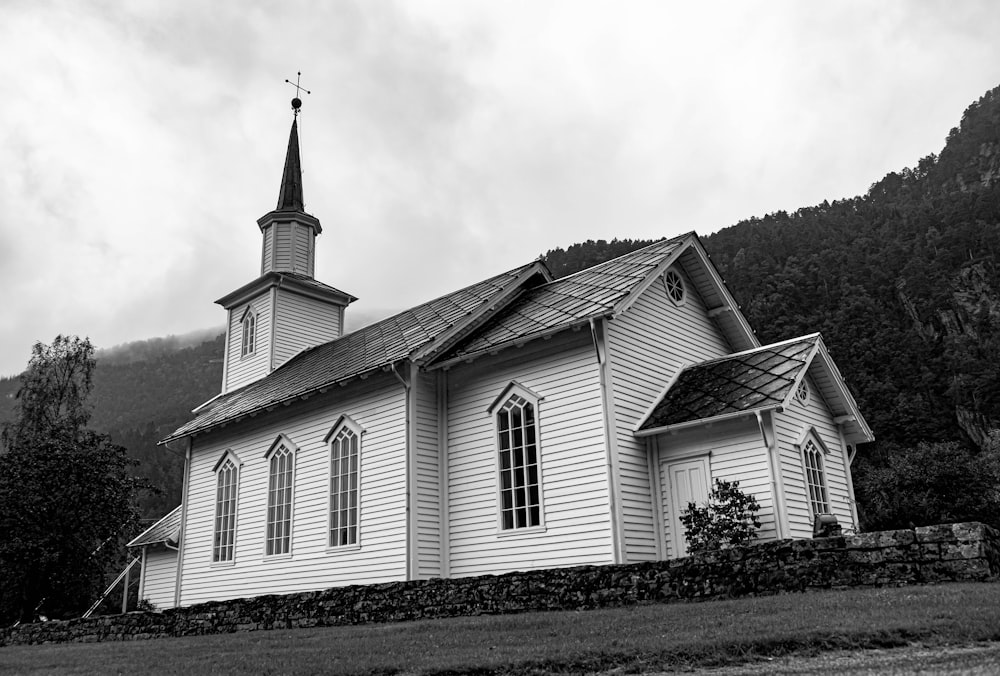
(443, 141)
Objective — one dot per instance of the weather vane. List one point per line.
(297, 102)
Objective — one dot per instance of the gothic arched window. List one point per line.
(345, 461)
(518, 467)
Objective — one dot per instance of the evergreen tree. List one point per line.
(66, 492)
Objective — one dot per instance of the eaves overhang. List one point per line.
(288, 282)
(191, 430)
(287, 215)
(856, 429)
(726, 311)
(714, 420)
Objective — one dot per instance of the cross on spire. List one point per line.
(297, 102)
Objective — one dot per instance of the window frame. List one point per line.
(512, 390)
(249, 318)
(282, 442)
(811, 438)
(674, 271)
(803, 392)
(343, 423)
(228, 457)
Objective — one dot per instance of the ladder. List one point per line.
(123, 574)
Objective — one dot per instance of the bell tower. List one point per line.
(289, 233)
(285, 310)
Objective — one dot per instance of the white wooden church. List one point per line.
(521, 422)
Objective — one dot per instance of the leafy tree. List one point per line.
(728, 519)
(929, 484)
(66, 492)
(142, 392)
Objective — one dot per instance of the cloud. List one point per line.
(442, 141)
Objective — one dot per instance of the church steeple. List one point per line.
(290, 193)
(285, 310)
(289, 243)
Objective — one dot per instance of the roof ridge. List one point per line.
(608, 262)
(742, 353)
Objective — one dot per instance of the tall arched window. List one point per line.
(345, 456)
(281, 463)
(224, 536)
(518, 460)
(812, 461)
(249, 323)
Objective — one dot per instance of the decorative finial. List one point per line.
(297, 102)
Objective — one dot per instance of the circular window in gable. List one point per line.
(802, 393)
(675, 286)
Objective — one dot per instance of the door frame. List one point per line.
(702, 458)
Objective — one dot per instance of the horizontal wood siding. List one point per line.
(647, 345)
(243, 370)
(562, 371)
(789, 426)
(428, 479)
(159, 577)
(302, 322)
(736, 453)
(378, 406)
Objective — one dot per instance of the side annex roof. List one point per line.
(165, 530)
(764, 378)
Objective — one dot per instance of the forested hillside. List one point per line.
(902, 282)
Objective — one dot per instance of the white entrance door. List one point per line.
(688, 482)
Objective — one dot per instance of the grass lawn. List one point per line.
(639, 638)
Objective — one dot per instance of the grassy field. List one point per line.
(640, 638)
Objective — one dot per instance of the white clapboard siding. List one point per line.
(564, 373)
(160, 576)
(301, 322)
(736, 453)
(428, 477)
(242, 370)
(790, 425)
(378, 406)
(646, 347)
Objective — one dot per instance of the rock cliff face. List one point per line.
(970, 324)
(963, 326)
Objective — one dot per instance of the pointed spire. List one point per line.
(290, 193)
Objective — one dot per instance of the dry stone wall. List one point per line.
(963, 551)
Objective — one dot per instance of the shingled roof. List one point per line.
(565, 302)
(753, 380)
(166, 529)
(370, 348)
